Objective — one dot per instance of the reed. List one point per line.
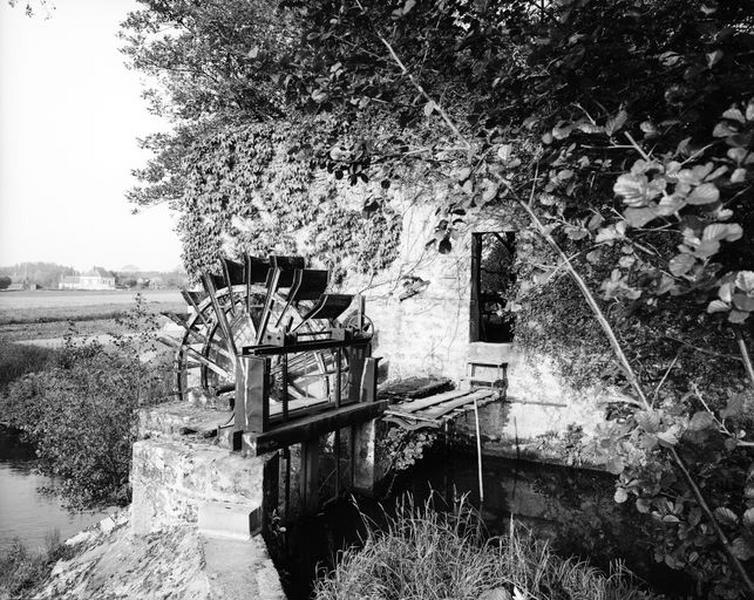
(424, 554)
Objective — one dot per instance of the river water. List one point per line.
(26, 512)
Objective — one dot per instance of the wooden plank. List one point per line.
(404, 415)
(423, 403)
(445, 408)
(410, 424)
(311, 426)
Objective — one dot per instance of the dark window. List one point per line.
(492, 278)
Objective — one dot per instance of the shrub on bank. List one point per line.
(424, 554)
(81, 412)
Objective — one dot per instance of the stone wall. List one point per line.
(428, 333)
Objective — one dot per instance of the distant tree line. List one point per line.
(48, 275)
(43, 274)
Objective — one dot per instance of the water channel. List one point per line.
(573, 509)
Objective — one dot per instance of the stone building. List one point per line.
(96, 279)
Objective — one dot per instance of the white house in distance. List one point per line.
(96, 279)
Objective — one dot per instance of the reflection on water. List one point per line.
(26, 513)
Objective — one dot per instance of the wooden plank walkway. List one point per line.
(434, 411)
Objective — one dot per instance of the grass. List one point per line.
(51, 314)
(21, 570)
(426, 555)
(46, 306)
(18, 359)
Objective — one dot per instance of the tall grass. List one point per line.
(424, 554)
(19, 359)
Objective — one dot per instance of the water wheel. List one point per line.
(250, 303)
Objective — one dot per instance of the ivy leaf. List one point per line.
(745, 281)
(717, 306)
(680, 264)
(670, 519)
(588, 127)
(490, 191)
(575, 232)
(594, 256)
(562, 130)
(637, 190)
(615, 124)
(734, 114)
(319, 96)
(702, 420)
(725, 516)
(429, 108)
(741, 549)
(444, 247)
(714, 57)
(737, 316)
(464, 174)
(615, 465)
(730, 232)
(704, 194)
(738, 176)
(748, 519)
(667, 439)
(638, 217)
(723, 129)
(734, 407)
(505, 151)
(743, 302)
(620, 495)
(595, 221)
(404, 10)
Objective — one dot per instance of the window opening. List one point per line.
(492, 279)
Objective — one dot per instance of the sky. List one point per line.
(70, 115)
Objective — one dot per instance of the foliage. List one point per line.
(426, 554)
(22, 570)
(5, 282)
(708, 443)
(404, 447)
(81, 413)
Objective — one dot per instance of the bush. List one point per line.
(425, 554)
(81, 414)
(21, 570)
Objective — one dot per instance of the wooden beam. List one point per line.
(311, 426)
(475, 319)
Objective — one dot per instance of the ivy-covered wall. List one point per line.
(258, 189)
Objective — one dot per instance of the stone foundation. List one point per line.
(171, 479)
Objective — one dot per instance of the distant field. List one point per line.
(60, 305)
